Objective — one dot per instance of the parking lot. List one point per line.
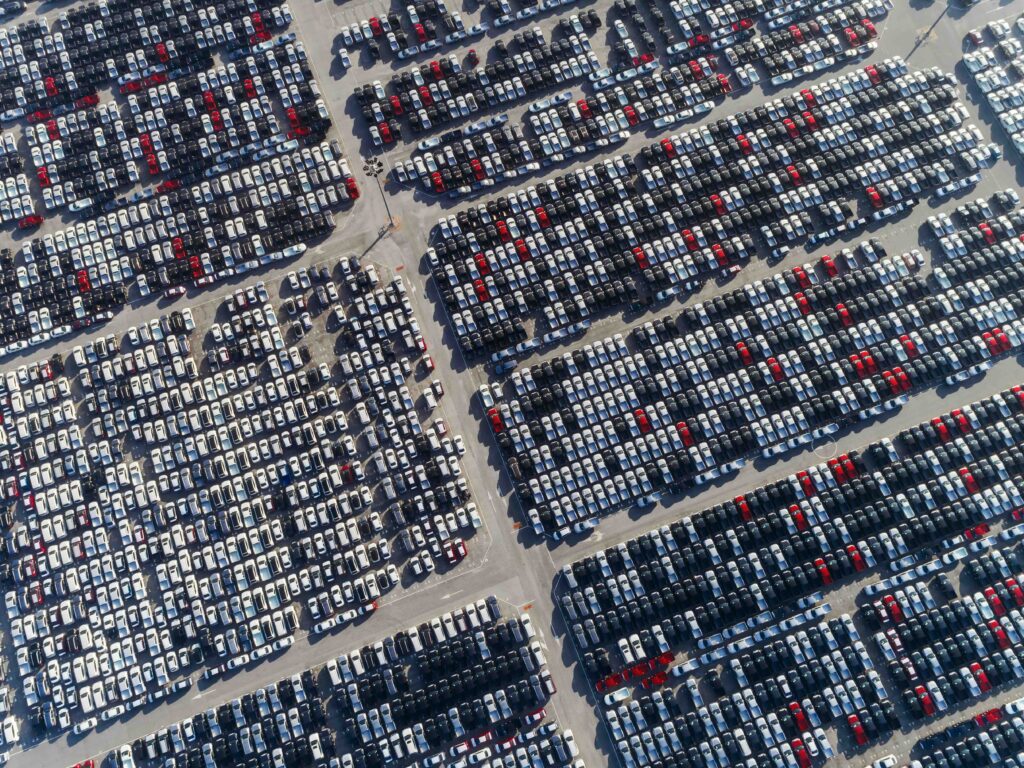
(729, 584)
(409, 698)
(249, 161)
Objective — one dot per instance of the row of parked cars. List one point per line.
(442, 91)
(237, 189)
(465, 688)
(423, 27)
(727, 602)
(950, 655)
(693, 206)
(176, 130)
(564, 128)
(181, 505)
(98, 44)
(757, 371)
(996, 65)
(993, 737)
(809, 46)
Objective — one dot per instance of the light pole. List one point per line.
(374, 167)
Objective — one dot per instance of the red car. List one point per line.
(941, 430)
(908, 346)
(968, 479)
(668, 146)
(925, 699)
(720, 255)
(744, 508)
(385, 133)
(999, 634)
(482, 293)
(962, 422)
(503, 232)
(684, 434)
(745, 357)
(455, 551)
(894, 608)
(903, 378)
(421, 32)
(799, 519)
(851, 36)
(1015, 591)
(849, 466)
(353, 188)
(829, 265)
(869, 361)
(31, 221)
(794, 175)
(791, 128)
(977, 531)
(496, 423)
(809, 98)
(802, 303)
(542, 216)
(745, 146)
(798, 35)
(584, 108)
(806, 483)
(995, 601)
(856, 558)
(844, 315)
(981, 677)
(641, 258)
(775, 369)
(874, 198)
(642, 421)
(800, 751)
(987, 233)
(823, 571)
(873, 74)
(716, 200)
(654, 680)
(859, 734)
(858, 366)
(801, 277)
(481, 264)
(437, 181)
(989, 717)
(799, 718)
(630, 114)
